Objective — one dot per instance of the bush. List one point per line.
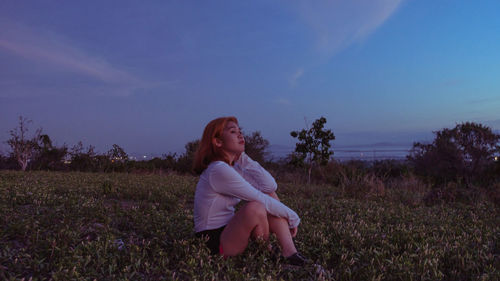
(8, 163)
(494, 194)
(389, 169)
(462, 154)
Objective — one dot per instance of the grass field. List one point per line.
(84, 226)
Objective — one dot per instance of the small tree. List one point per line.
(314, 145)
(256, 146)
(116, 159)
(22, 146)
(117, 154)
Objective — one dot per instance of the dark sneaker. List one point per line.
(297, 259)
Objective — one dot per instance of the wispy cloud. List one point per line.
(295, 77)
(283, 101)
(483, 100)
(60, 55)
(339, 23)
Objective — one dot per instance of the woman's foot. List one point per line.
(297, 259)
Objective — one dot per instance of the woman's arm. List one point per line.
(255, 174)
(225, 180)
(293, 231)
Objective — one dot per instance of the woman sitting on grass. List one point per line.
(228, 176)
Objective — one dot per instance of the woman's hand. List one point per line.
(274, 195)
(293, 231)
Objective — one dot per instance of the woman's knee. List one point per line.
(256, 210)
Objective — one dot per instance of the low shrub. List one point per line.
(362, 186)
(494, 194)
(409, 190)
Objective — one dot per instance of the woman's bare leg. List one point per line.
(251, 219)
(279, 226)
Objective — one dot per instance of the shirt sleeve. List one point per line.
(225, 180)
(255, 174)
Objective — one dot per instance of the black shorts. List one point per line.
(213, 242)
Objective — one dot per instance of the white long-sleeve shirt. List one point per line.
(221, 187)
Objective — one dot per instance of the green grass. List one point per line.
(84, 226)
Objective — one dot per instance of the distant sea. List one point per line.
(366, 152)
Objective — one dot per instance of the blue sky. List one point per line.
(149, 75)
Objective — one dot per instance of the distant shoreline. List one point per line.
(368, 152)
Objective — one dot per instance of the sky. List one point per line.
(149, 75)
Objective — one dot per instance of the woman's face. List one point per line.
(232, 141)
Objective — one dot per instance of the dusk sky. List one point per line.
(149, 75)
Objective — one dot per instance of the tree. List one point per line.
(465, 152)
(22, 146)
(47, 156)
(117, 154)
(255, 146)
(314, 145)
(114, 160)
